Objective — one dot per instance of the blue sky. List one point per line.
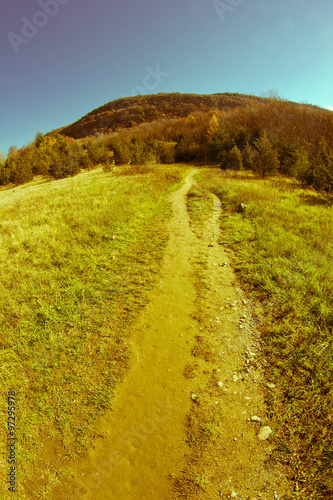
(61, 59)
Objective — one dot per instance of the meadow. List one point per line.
(78, 257)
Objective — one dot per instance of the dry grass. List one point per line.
(77, 258)
(284, 247)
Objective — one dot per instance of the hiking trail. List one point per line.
(182, 359)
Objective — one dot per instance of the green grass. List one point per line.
(78, 257)
(283, 250)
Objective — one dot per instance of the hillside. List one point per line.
(267, 135)
(130, 111)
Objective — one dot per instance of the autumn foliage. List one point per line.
(266, 135)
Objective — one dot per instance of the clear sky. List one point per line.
(61, 59)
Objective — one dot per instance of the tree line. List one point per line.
(275, 137)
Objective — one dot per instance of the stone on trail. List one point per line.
(264, 433)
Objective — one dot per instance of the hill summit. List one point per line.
(128, 112)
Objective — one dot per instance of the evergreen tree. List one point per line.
(220, 145)
(321, 176)
(301, 167)
(249, 155)
(267, 160)
(39, 140)
(235, 159)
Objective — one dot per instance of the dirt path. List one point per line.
(179, 360)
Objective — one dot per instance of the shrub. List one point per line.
(109, 164)
(66, 159)
(167, 152)
(17, 168)
(64, 167)
(4, 174)
(164, 151)
(21, 171)
(97, 151)
(121, 151)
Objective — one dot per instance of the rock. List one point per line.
(194, 397)
(234, 494)
(255, 419)
(241, 208)
(264, 433)
(235, 378)
(271, 386)
(220, 384)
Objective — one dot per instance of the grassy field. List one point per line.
(77, 259)
(283, 249)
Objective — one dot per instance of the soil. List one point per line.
(194, 360)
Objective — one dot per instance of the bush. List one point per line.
(109, 164)
(121, 151)
(4, 174)
(97, 152)
(164, 151)
(64, 167)
(17, 169)
(21, 173)
(66, 158)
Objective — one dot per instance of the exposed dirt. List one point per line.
(194, 363)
